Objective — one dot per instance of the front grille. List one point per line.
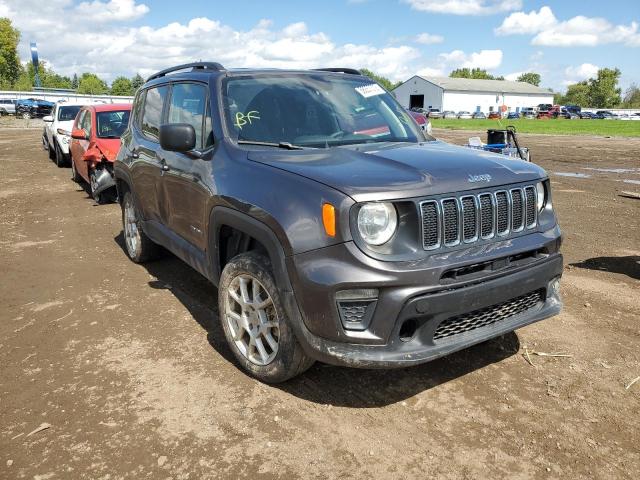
(488, 315)
(517, 209)
(450, 221)
(430, 223)
(469, 218)
(502, 209)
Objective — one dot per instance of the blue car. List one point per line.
(32, 108)
(513, 115)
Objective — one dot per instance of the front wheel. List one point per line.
(26, 115)
(140, 248)
(75, 176)
(61, 161)
(255, 323)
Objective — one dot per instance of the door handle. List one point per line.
(165, 167)
(135, 154)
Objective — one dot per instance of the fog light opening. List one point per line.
(408, 330)
(554, 286)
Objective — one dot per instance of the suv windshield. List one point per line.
(68, 113)
(112, 124)
(314, 111)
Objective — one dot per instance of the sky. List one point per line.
(564, 40)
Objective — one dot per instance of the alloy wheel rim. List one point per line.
(252, 319)
(131, 234)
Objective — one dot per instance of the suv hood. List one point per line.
(388, 171)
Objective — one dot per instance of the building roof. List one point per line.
(493, 86)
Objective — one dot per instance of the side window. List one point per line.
(80, 119)
(208, 128)
(138, 102)
(86, 122)
(188, 105)
(152, 111)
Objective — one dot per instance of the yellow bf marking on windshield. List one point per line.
(242, 118)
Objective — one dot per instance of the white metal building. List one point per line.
(464, 94)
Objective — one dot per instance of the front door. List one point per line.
(184, 187)
(146, 167)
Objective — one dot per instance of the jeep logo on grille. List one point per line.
(479, 178)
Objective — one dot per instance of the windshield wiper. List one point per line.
(285, 145)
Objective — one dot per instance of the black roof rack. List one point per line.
(350, 71)
(214, 66)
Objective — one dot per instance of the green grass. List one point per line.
(611, 128)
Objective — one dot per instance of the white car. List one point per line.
(57, 130)
(7, 107)
(464, 115)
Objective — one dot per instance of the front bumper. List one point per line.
(418, 296)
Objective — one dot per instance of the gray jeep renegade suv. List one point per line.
(334, 229)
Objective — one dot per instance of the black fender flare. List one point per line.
(224, 216)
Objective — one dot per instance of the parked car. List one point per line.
(327, 244)
(449, 114)
(569, 115)
(33, 108)
(95, 143)
(586, 115)
(606, 115)
(479, 115)
(634, 116)
(528, 112)
(420, 110)
(464, 115)
(545, 107)
(7, 107)
(494, 115)
(513, 115)
(555, 111)
(422, 121)
(572, 109)
(435, 113)
(56, 135)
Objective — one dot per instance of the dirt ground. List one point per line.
(127, 364)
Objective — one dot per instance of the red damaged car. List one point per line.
(95, 141)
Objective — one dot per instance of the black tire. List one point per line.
(26, 115)
(290, 359)
(144, 249)
(75, 176)
(60, 159)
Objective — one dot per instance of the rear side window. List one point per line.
(136, 114)
(85, 122)
(68, 113)
(188, 105)
(152, 112)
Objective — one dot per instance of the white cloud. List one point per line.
(465, 7)
(577, 31)
(579, 73)
(114, 10)
(527, 23)
(429, 39)
(125, 49)
(484, 59)
(513, 76)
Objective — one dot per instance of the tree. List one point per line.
(530, 77)
(74, 81)
(121, 86)
(385, 82)
(48, 78)
(136, 82)
(578, 94)
(603, 90)
(631, 97)
(476, 73)
(92, 84)
(10, 67)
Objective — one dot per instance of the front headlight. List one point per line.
(377, 222)
(540, 196)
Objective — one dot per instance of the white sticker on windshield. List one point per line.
(370, 90)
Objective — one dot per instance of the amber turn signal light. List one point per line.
(329, 219)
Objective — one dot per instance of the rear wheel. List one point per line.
(60, 159)
(140, 248)
(26, 115)
(255, 324)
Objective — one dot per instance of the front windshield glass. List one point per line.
(112, 124)
(318, 111)
(66, 114)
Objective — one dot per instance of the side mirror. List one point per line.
(177, 137)
(79, 134)
(48, 118)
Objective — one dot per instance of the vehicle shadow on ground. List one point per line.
(629, 265)
(327, 384)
